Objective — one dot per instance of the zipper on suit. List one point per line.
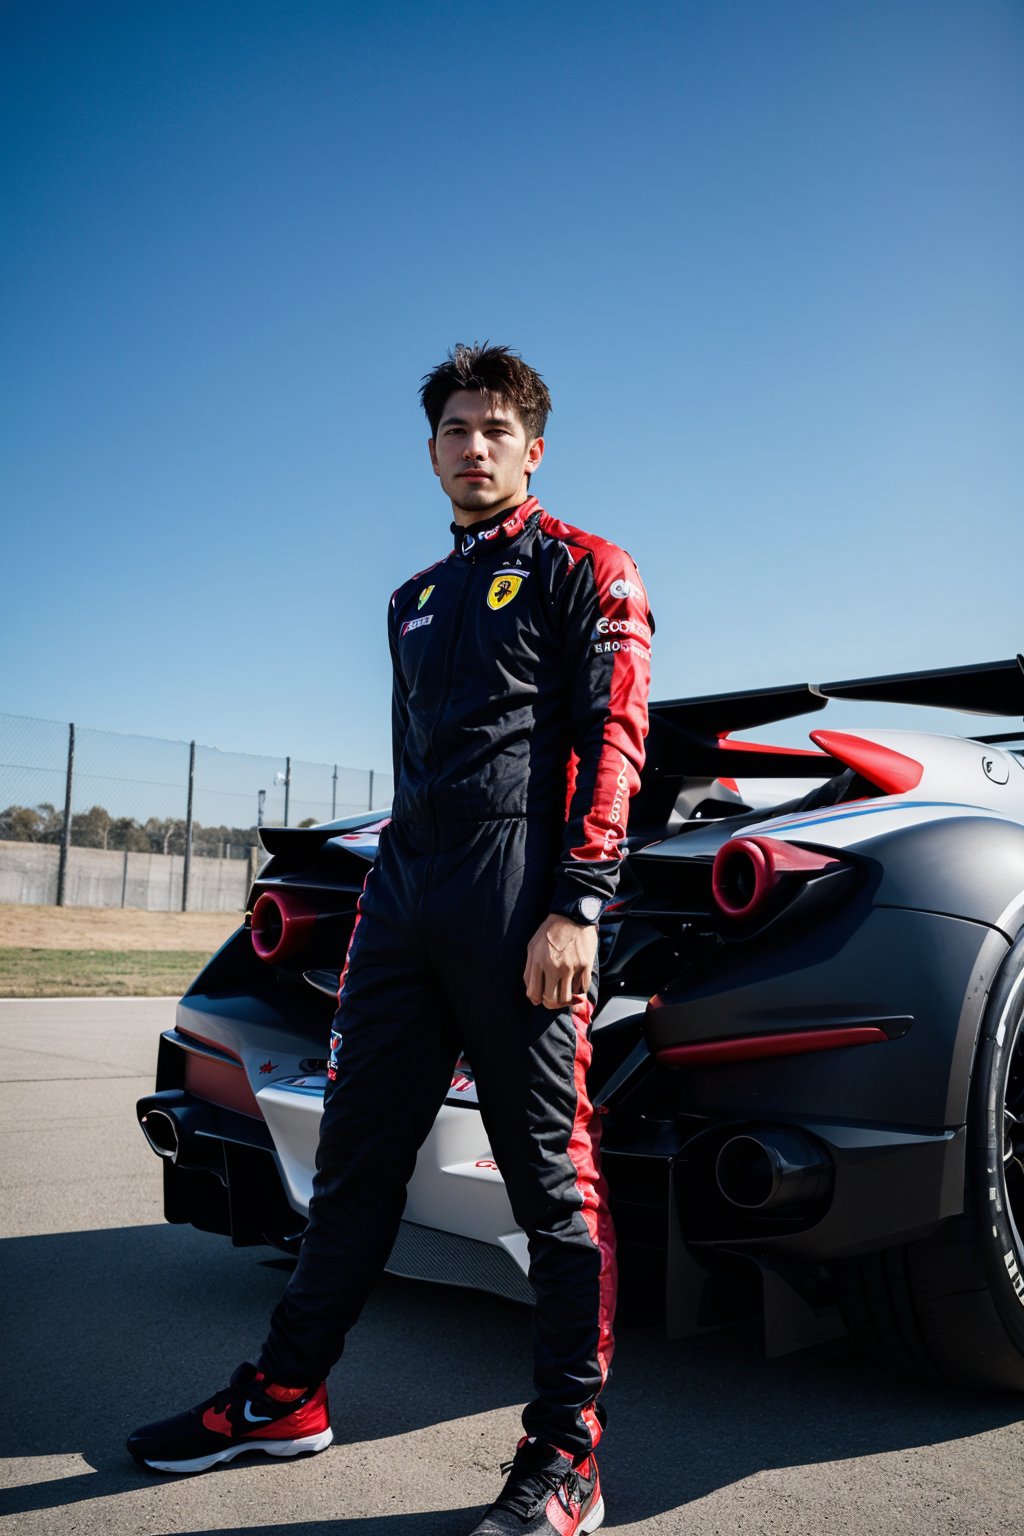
(447, 677)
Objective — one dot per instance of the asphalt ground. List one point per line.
(111, 1318)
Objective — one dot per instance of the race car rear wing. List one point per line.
(692, 737)
(690, 741)
(989, 688)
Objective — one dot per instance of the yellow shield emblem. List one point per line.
(424, 595)
(503, 589)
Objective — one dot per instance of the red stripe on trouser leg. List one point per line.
(585, 1152)
(589, 1415)
(335, 1040)
(348, 954)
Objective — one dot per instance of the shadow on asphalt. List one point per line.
(445, 1522)
(106, 1330)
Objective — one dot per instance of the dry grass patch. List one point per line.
(105, 951)
(113, 928)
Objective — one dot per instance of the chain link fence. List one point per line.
(96, 818)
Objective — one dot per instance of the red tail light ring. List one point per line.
(747, 870)
(281, 925)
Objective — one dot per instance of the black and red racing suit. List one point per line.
(521, 673)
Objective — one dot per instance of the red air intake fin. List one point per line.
(889, 770)
(729, 743)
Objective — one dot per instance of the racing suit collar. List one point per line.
(495, 532)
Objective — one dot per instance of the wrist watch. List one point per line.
(586, 911)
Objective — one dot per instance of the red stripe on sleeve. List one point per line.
(623, 631)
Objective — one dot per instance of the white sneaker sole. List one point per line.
(307, 1446)
(594, 1518)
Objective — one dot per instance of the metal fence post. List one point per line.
(287, 786)
(65, 841)
(188, 826)
(334, 793)
(370, 806)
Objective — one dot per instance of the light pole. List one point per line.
(261, 800)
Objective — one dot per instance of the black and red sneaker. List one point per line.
(546, 1491)
(252, 1414)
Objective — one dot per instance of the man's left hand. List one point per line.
(559, 962)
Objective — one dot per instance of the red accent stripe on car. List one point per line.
(220, 1082)
(215, 1045)
(702, 1053)
(732, 744)
(368, 830)
(884, 767)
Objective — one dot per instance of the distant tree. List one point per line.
(308, 821)
(90, 829)
(126, 833)
(37, 824)
(96, 828)
(20, 824)
(165, 836)
(216, 842)
(52, 822)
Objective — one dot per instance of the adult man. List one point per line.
(521, 669)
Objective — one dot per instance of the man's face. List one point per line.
(482, 455)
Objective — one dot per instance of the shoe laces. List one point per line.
(534, 1474)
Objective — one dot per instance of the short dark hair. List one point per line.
(497, 372)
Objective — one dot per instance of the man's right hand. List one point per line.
(560, 962)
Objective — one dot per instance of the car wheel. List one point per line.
(952, 1306)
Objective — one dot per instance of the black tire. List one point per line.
(951, 1307)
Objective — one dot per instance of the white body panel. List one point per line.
(456, 1186)
(957, 776)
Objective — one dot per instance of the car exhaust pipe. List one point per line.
(160, 1131)
(173, 1124)
(774, 1172)
(282, 925)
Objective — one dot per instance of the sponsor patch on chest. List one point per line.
(419, 623)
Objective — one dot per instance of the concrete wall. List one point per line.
(98, 877)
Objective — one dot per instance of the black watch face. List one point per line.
(589, 908)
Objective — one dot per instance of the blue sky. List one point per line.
(766, 256)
